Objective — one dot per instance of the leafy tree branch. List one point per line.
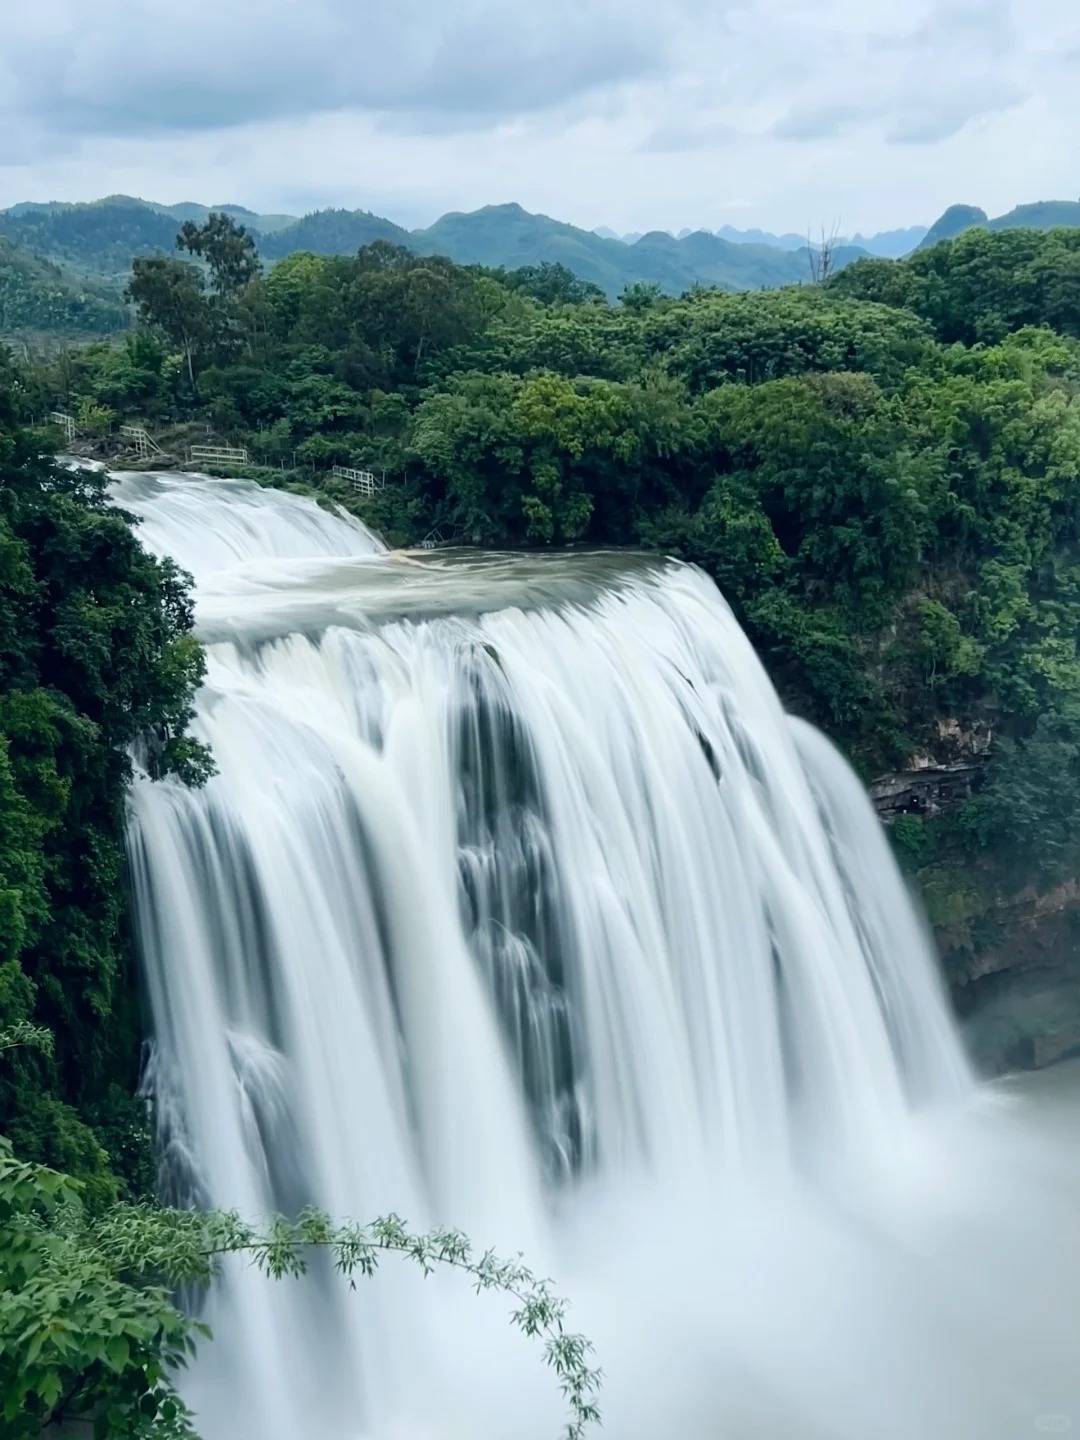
(88, 1328)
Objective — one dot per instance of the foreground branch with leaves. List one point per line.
(89, 1329)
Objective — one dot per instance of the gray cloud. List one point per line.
(621, 112)
(936, 119)
(208, 64)
(960, 61)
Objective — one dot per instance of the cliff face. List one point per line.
(1011, 952)
(926, 790)
(1016, 979)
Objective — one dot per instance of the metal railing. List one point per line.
(65, 422)
(364, 482)
(142, 442)
(219, 455)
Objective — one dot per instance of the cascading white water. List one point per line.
(207, 526)
(518, 904)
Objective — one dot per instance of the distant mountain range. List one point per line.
(507, 235)
(888, 243)
(94, 244)
(100, 239)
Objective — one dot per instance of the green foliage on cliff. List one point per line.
(95, 655)
(85, 1333)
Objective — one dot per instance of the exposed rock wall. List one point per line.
(1011, 955)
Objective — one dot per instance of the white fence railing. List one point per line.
(364, 482)
(65, 422)
(219, 455)
(141, 441)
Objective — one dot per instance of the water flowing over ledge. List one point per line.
(519, 904)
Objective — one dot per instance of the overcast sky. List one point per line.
(633, 113)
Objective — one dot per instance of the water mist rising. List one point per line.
(519, 904)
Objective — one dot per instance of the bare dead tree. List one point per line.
(822, 253)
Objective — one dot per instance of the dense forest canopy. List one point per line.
(982, 288)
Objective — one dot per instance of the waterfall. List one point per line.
(519, 904)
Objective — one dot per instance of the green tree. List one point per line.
(640, 295)
(228, 249)
(169, 297)
(552, 284)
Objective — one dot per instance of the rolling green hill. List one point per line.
(1041, 215)
(702, 258)
(510, 236)
(331, 232)
(36, 295)
(953, 222)
(889, 243)
(100, 238)
(192, 210)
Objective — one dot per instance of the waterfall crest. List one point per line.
(516, 888)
